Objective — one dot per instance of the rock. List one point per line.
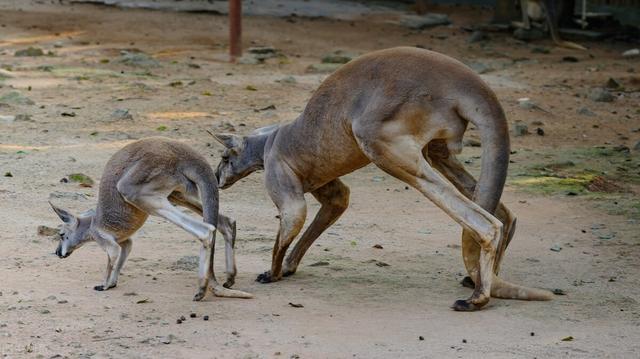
(262, 53)
(599, 94)
(612, 84)
(248, 60)
(480, 67)
(287, 80)
(187, 263)
(555, 248)
(520, 129)
(418, 22)
(527, 104)
(30, 52)
(121, 114)
(15, 98)
(631, 53)
(47, 231)
(539, 131)
(137, 59)
(478, 36)
(471, 142)
(585, 112)
(529, 35)
(323, 68)
(338, 57)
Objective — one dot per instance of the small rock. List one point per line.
(137, 59)
(248, 60)
(205, 318)
(29, 52)
(520, 129)
(419, 22)
(420, 337)
(539, 131)
(121, 114)
(478, 36)
(599, 94)
(338, 57)
(567, 339)
(558, 291)
(631, 53)
(192, 315)
(47, 231)
(287, 80)
(585, 112)
(555, 248)
(480, 67)
(296, 305)
(612, 84)
(45, 311)
(323, 68)
(378, 246)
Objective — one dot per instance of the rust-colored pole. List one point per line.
(235, 29)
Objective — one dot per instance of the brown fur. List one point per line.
(405, 110)
(150, 176)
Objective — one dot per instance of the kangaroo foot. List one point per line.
(467, 282)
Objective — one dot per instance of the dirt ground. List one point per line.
(64, 119)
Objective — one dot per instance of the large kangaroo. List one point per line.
(145, 177)
(406, 110)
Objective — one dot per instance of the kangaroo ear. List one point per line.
(228, 140)
(65, 216)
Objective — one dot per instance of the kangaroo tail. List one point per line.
(220, 291)
(503, 289)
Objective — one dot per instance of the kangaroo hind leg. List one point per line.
(401, 156)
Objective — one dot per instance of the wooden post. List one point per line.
(235, 29)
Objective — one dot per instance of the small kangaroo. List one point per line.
(544, 11)
(406, 110)
(146, 177)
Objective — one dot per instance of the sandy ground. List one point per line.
(351, 306)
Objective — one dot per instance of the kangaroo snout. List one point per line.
(60, 254)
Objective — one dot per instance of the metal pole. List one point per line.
(235, 29)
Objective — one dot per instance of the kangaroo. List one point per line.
(146, 177)
(406, 110)
(544, 11)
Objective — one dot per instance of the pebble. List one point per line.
(205, 318)
(520, 129)
(585, 112)
(599, 94)
(631, 53)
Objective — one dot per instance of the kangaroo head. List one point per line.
(241, 157)
(74, 232)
